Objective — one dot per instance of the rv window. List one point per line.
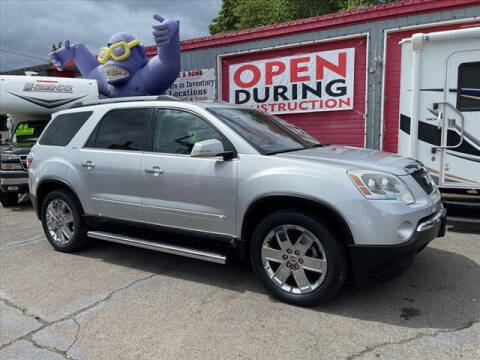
(63, 128)
(468, 90)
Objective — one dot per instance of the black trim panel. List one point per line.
(371, 264)
(16, 175)
(432, 134)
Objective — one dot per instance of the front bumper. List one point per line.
(13, 181)
(377, 263)
(12, 177)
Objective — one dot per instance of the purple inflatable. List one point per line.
(122, 67)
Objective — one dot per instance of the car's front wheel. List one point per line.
(298, 258)
(62, 221)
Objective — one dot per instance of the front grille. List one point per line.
(23, 161)
(424, 180)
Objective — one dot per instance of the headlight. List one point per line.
(8, 157)
(378, 185)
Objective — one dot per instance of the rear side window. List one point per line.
(122, 130)
(468, 91)
(63, 128)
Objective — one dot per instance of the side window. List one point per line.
(177, 131)
(468, 89)
(63, 128)
(124, 129)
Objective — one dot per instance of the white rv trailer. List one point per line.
(37, 97)
(28, 102)
(440, 107)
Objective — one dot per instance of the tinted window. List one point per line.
(177, 131)
(63, 128)
(123, 130)
(268, 134)
(468, 90)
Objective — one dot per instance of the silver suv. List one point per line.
(235, 181)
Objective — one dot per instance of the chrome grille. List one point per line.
(424, 180)
(23, 161)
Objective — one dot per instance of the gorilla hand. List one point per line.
(62, 56)
(165, 31)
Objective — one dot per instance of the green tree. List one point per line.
(226, 19)
(244, 14)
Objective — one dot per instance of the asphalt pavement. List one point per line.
(117, 302)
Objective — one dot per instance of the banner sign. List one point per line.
(194, 85)
(311, 82)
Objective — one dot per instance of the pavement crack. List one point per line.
(52, 349)
(76, 335)
(418, 336)
(24, 311)
(34, 239)
(45, 323)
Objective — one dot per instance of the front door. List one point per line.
(461, 121)
(110, 163)
(184, 192)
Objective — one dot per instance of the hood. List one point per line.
(356, 158)
(15, 149)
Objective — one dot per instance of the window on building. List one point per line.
(177, 131)
(122, 130)
(468, 90)
(63, 128)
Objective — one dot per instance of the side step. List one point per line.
(158, 246)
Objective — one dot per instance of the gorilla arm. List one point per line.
(84, 60)
(162, 70)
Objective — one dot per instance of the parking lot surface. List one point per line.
(118, 302)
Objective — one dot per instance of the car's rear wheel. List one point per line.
(8, 199)
(298, 258)
(62, 222)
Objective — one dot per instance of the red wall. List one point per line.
(392, 79)
(346, 127)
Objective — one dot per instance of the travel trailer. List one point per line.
(440, 112)
(28, 102)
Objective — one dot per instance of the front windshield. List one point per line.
(266, 133)
(27, 133)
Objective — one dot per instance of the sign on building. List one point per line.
(194, 85)
(309, 82)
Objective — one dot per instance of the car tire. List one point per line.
(8, 199)
(288, 271)
(62, 221)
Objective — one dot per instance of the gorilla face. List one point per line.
(120, 72)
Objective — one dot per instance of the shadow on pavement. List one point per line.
(440, 290)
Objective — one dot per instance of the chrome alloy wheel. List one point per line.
(59, 219)
(294, 259)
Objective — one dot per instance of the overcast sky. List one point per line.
(31, 27)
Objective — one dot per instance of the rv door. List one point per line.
(460, 122)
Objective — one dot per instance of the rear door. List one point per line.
(461, 124)
(183, 192)
(110, 163)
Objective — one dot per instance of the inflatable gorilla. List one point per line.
(122, 67)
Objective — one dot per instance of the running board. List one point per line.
(158, 246)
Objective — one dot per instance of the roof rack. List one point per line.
(123, 99)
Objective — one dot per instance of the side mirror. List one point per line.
(208, 148)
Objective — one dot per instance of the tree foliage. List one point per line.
(244, 14)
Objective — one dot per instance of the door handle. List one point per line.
(155, 170)
(88, 164)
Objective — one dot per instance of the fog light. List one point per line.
(13, 188)
(405, 230)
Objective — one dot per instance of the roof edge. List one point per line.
(377, 12)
